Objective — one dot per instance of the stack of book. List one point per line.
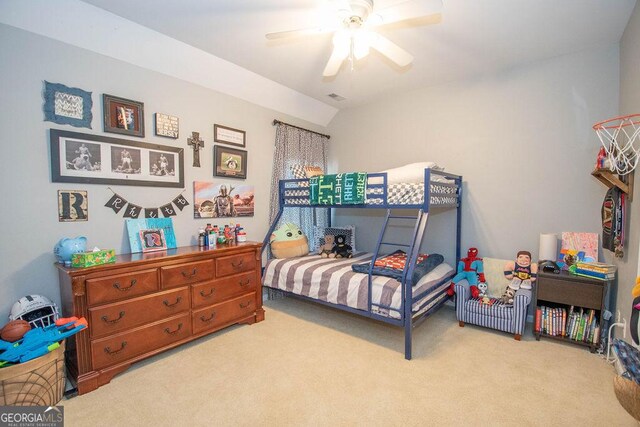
(596, 270)
(578, 325)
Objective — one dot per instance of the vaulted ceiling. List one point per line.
(474, 37)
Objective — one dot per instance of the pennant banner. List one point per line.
(180, 202)
(132, 211)
(118, 203)
(168, 210)
(151, 212)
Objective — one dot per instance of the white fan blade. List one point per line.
(299, 33)
(335, 62)
(410, 9)
(391, 50)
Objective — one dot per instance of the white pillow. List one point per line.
(413, 172)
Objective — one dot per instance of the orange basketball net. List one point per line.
(620, 138)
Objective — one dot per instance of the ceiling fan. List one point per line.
(354, 35)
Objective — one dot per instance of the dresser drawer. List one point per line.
(224, 313)
(116, 317)
(118, 348)
(219, 290)
(191, 272)
(234, 264)
(585, 295)
(121, 286)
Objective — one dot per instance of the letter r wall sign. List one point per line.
(73, 205)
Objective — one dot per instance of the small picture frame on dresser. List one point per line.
(152, 239)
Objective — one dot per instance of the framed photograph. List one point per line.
(231, 136)
(67, 105)
(167, 126)
(73, 205)
(123, 116)
(97, 159)
(152, 239)
(229, 162)
(213, 200)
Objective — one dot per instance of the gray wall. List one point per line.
(630, 104)
(30, 226)
(521, 138)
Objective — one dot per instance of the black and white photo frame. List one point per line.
(97, 159)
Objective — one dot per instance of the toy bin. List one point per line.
(38, 382)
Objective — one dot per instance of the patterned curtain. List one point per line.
(297, 147)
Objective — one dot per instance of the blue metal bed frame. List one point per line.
(288, 196)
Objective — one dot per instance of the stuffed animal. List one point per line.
(341, 249)
(521, 273)
(470, 268)
(326, 250)
(288, 241)
(482, 287)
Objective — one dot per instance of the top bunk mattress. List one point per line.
(332, 280)
(374, 190)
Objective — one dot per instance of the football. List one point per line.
(14, 330)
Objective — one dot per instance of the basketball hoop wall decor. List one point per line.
(620, 138)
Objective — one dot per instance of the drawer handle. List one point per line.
(189, 276)
(244, 284)
(111, 322)
(245, 305)
(238, 265)
(204, 319)
(165, 302)
(170, 332)
(117, 285)
(114, 352)
(203, 295)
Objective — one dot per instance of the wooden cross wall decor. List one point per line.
(196, 143)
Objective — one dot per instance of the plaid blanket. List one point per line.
(341, 189)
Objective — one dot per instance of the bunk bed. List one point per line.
(400, 301)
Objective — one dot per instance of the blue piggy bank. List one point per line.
(67, 247)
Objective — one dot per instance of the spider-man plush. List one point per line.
(469, 268)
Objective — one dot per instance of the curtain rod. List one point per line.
(275, 122)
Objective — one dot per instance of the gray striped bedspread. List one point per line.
(332, 280)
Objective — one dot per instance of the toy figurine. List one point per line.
(470, 268)
(521, 273)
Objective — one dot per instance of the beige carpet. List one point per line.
(311, 365)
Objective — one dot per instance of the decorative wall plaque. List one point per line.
(167, 126)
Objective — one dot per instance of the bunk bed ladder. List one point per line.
(412, 256)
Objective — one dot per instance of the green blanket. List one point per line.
(341, 189)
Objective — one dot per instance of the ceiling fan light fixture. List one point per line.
(361, 43)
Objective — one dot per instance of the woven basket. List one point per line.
(39, 381)
(628, 394)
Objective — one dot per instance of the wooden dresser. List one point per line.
(147, 303)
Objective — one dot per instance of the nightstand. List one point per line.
(565, 290)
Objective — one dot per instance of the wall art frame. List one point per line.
(229, 162)
(73, 205)
(96, 159)
(167, 126)
(230, 136)
(67, 105)
(123, 116)
(152, 239)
